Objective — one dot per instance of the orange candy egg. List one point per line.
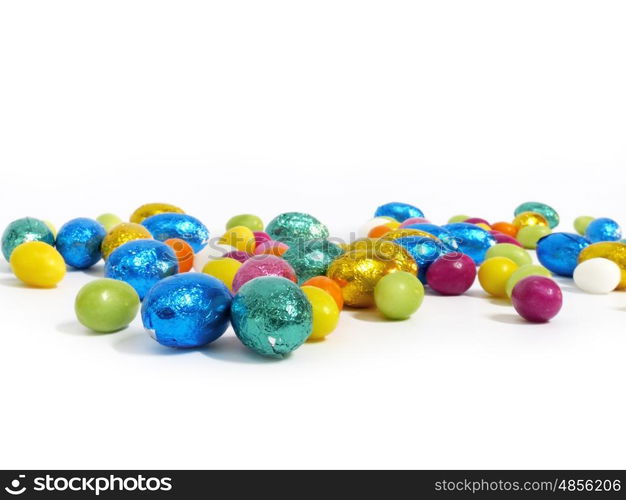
(378, 231)
(505, 228)
(329, 286)
(184, 253)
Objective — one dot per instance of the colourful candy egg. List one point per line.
(250, 221)
(581, 223)
(141, 264)
(505, 228)
(504, 238)
(451, 274)
(424, 250)
(529, 219)
(22, 230)
(272, 316)
(261, 237)
(547, 211)
(523, 272)
(37, 264)
(150, 209)
(52, 228)
(184, 253)
(238, 255)
(294, 226)
(494, 273)
(537, 299)
(240, 237)
(329, 286)
(514, 252)
(79, 242)
(529, 236)
(120, 234)
(597, 275)
(210, 252)
(398, 211)
(365, 229)
(311, 258)
(182, 226)
(414, 220)
(603, 229)
(478, 220)
(612, 250)
(325, 312)
(458, 218)
(263, 265)
(223, 269)
(187, 310)
(108, 221)
(559, 252)
(271, 247)
(378, 231)
(106, 305)
(398, 295)
(471, 239)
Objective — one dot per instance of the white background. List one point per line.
(329, 107)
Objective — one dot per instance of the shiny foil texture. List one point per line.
(79, 242)
(293, 226)
(611, 250)
(558, 252)
(187, 310)
(141, 264)
(530, 219)
(263, 265)
(444, 235)
(472, 240)
(150, 209)
(398, 211)
(547, 211)
(22, 230)
(120, 234)
(271, 316)
(311, 258)
(358, 271)
(185, 227)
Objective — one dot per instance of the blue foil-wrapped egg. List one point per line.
(603, 229)
(79, 240)
(141, 264)
(272, 316)
(472, 240)
(187, 310)
(291, 227)
(547, 211)
(174, 225)
(424, 250)
(311, 258)
(22, 230)
(444, 235)
(399, 211)
(558, 252)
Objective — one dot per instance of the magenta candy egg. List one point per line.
(537, 299)
(239, 255)
(476, 220)
(263, 265)
(415, 220)
(271, 247)
(504, 238)
(261, 237)
(451, 274)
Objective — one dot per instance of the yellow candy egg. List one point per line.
(530, 219)
(494, 273)
(392, 224)
(240, 237)
(123, 233)
(325, 312)
(51, 226)
(223, 269)
(150, 209)
(38, 264)
(611, 250)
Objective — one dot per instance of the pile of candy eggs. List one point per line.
(285, 283)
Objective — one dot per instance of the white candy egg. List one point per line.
(597, 275)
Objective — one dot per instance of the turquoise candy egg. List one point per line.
(603, 229)
(558, 252)
(23, 230)
(294, 226)
(472, 240)
(272, 316)
(311, 258)
(444, 235)
(398, 211)
(547, 211)
(173, 225)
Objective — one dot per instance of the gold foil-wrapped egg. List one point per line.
(403, 233)
(358, 271)
(530, 219)
(150, 209)
(122, 233)
(611, 250)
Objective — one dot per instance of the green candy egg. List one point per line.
(106, 305)
(109, 221)
(581, 223)
(398, 295)
(523, 272)
(458, 218)
(517, 254)
(528, 236)
(250, 221)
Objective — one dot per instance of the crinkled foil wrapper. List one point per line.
(150, 209)
(23, 230)
(550, 214)
(79, 242)
(123, 233)
(262, 265)
(311, 258)
(612, 250)
(173, 225)
(293, 226)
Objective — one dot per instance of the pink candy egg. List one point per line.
(271, 247)
(263, 265)
(504, 238)
(415, 220)
(476, 220)
(239, 255)
(261, 237)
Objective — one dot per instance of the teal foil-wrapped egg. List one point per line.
(294, 226)
(311, 258)
(272, 316)
(23, 230)
(547, 211)
(174, 225)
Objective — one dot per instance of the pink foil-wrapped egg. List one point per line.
(263, 265)
(239, 255)
(272, 248)
(504, 238)
(415, 220)
(261, 237)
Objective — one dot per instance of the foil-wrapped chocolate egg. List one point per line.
(187, 310)
(559, 252)
(150, 209)
(79, 242)
(311, 258)
(141, 264)
(398, 211)
(123, 233)
(182, 226)
(446, 237)
(293, 226)
(547, 211)
(524, 219)
(612, 250)
(603, 229)
(358, 271)
(22, 230)
(471, 239)
(272, 316)
(263, 265)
